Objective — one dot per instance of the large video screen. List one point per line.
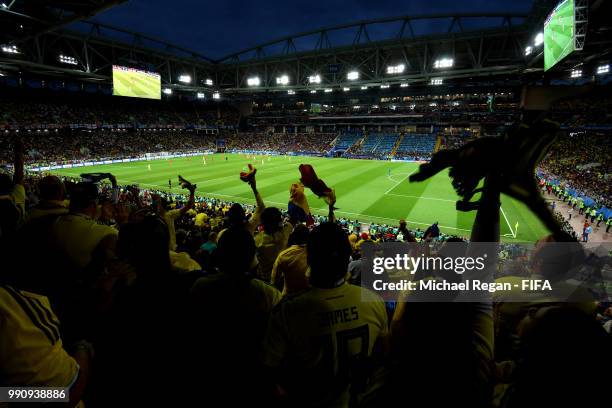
(136, 83)
(559, 33)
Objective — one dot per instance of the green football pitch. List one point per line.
(559, 34)
(367, 190)
(139, 85)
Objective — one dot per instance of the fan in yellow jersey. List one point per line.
(78, 236)
(319, 341)
(31, 350)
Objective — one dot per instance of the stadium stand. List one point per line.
(416, 146)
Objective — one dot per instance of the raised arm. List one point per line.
(191, 201)
(254, 221)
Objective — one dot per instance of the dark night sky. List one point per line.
(217, 28)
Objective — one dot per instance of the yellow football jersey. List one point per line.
(31, 351)
(78, 236)
(321, 337)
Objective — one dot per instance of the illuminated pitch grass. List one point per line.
(559, 34)
(137, 85)
(365, 189)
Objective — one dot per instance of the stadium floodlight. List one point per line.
(352, 75)
(528, 50)
(314, 79)
(200, 95)
(404, 85)
(66, 59)
(539, 39)
(436, 81)
(253, 81)
(282, 80)
(396, 69)
(328, 90)
(576, 73)
(4, 5)
(384, 86)
(186, 79)
(603, 69)
(291, 92)
(208, 82)
(364, 87)
(444, 63)
(314, 91)
(216, 95)
(167, 91)
(346, 89)
(10, 49)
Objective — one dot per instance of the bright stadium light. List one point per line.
(603, 69)
(436, 81)
(314, 79)
(328, 90)
(576, 73)
(528, 50)
(216, 95)
(352, 75)
(10, 49)
(313, 91)
(186, 79)
(65, 59)
(396, 69)
(346, 89)
(167, 91)
(253, 81)
(404, 85)
(282, 80)
(291, 92)
(539, 39)
(444, 63)
(4, 5)
(208, 82)
(384, 86)
(200, 95)
(364, 87)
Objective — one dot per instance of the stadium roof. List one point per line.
(380, 52)
(21, 19)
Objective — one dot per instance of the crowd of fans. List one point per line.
(52, 110)
(313, 143)
(582, 161)
(128, 296)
